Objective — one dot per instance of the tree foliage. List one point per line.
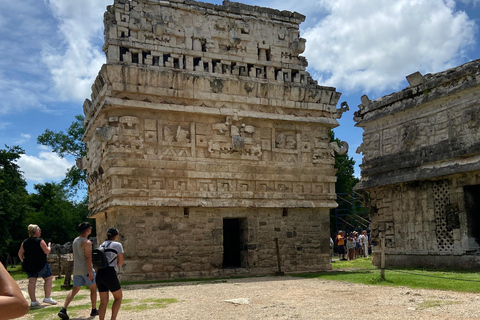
(13, 200)
(68, 143)
(345, 166)
(55, 213)
(350, 208)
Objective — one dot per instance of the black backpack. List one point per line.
(99, 259)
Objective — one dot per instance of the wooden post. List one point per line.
(59, 257)
(68, 276)
(382, 256)
(279, 272)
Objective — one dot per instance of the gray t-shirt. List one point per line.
(79, 261)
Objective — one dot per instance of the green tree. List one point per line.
(350, 211)
(58, 214)
(55, 213)
(13, 201)
(68, 143)
(345, 166)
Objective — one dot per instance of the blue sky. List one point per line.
(51, 53)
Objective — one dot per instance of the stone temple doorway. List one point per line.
(472, 207)
(234, 242)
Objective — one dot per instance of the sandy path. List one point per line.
(287, 298)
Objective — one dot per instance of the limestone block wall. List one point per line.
(229, 39)
(164, 159)
(203, 121)
(169, 243)
(421, 168)
(424, 130)
(427, 223)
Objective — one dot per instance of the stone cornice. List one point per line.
(432, 87)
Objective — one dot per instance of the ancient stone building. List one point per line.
(207, 140)
(421, 167)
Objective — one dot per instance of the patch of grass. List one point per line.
(77, 297)
(361, 271)
(50, 312)
(17, 272)
(57, 285)
(435, 303)
(360, 263)
(150, 304)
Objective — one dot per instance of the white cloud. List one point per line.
(20, 95)
(26, 27)
(311, 9)
(23, 138)
(372, 45)
(45, 167)
(4, 125)
(75, 65)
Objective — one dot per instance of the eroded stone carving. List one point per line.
(421, 163)
(343, 108)
(204, 113)
(341, 150)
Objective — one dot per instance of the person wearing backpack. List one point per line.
(107, 279)
(83, 273)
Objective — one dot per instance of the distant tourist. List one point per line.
(107, 280)
(33, 253)
(358, 246)
(12, 302)
(351, 245)
(364, 242)
(83, 273)
(331, 249)
(340, 240)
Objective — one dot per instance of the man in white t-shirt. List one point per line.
(363, 239)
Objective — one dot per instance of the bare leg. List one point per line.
(117, 295)
(47, 286)
(350, 254)
(93, 295)
(103, 305)
(70, 296)
(32, 284)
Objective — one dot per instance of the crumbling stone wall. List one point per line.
(205, 113)
(421, 160)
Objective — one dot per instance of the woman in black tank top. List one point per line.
(33, 254)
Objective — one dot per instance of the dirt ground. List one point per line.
(277, 298)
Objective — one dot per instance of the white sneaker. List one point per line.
(49, 300)
(35, 303)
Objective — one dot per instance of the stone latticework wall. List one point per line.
(421, 168)
(204, 122)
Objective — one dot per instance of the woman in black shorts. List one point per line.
(107, 279)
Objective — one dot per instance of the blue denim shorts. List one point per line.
(82, 280)
(44, 273)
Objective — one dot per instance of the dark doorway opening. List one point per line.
(472, 207)
(234, 243)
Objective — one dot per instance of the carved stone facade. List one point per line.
(421, 166)
(207, 139)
